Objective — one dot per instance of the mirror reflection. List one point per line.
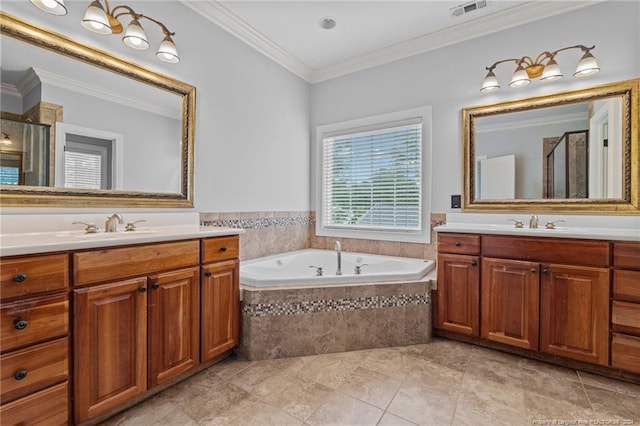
(558, 152)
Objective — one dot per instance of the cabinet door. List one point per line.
(458, 294)
(575, 312)
(220, 308)
(510, 301)
(174, 321)
(110, 346)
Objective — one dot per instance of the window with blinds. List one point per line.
(372, 179)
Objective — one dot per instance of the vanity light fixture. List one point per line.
(104, 20)
(544, 66)
(6, 140)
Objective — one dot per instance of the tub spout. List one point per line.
(338, 248)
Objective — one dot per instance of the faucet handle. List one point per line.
(516, 223)
(358, 268)
(319, 270)
(552, 225)
(131, 226)
(90, 228)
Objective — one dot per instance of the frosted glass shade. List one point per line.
(520, 78)
(54, 7)
(167, 51)
(96, 20)
(490, 83)
(551, 72)
(135, 37)
(587, 66)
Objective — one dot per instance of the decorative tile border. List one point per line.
(260, 222)
(333, 305)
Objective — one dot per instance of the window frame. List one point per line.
(378, 122)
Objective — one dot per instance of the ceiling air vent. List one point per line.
(467, 7)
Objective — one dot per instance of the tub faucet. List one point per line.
(111, 225)
(533, 222)
(338, 248)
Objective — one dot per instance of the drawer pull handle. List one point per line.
(534, 270)
(20, 278)
(474, 263)
(208, 274)
(155, 285)
(545, 271)
(223, 249)
(20, 374)
(142, 289)
(457, 243)
(20, 324)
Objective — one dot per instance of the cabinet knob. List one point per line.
(545, 271)
(208, 274)
(155, 285)
(534, 270)
(142, 289)
(20, 278)
(223, 249)
(20, 374)
(474, 263)
(457, 243)
(20, 324)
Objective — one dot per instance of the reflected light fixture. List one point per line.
(6, 140)
(100, 18)
(544, 66)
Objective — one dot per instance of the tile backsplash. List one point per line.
(269, 233)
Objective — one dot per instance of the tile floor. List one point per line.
(440, 383)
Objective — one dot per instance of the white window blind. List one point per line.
(82, 170)
(371, 179)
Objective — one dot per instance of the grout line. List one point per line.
(586, 393)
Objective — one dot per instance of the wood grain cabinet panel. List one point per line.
(510, 302)
(220, 248)
(459, 243)
(174, 322)
(459, 294)
(34, 368)
(626, 255)
(33, 320)
(575, 312)
(110, 358)
(49, 407)
(625, 352)
(626, 285)
(220, 312)
(625, 317)
(31, 275)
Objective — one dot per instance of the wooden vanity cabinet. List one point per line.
(34, 339)
(625, 315)
(220, 298)
(132, 333)
(458, 292)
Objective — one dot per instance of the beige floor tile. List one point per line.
(547, 408)
(421, 405)
(258, 372)
(257, 413)
(553, 370)
(215, 405)
(393, 362)
(610, 384)
(332, 370)
(610, 405)
(505, 373)
(176, 417)
(343, 410)
(228, 367)
(448, 353)
(550, 386)
(371, 386)
(148, 413)
(484, 401)
(389, 419)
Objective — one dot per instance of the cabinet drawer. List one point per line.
(625, 317)
(556, 250)
(34, 368)
(458, 243)
(626, 285)
(625, 352)
(221, 248)
(48, 407)
(31, 321)
(21, 276)
(626, 255)
(111, 264)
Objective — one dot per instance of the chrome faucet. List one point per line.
(533, 222)
(338, 248)
(111, 225)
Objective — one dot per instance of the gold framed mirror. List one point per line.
(137, 126)
(570, 152)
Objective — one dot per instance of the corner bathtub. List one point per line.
(289, 311)
(294, 269)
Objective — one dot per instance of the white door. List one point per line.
(498, 178)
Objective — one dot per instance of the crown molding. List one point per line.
(533, 122)
(67, 83)
(230, 22)
(10, 90)
(488, 24)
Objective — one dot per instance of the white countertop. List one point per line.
(43, 242)
(617, 234)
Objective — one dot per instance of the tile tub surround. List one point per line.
(267, 233)
(280, 323)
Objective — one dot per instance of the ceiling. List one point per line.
(367, 33)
